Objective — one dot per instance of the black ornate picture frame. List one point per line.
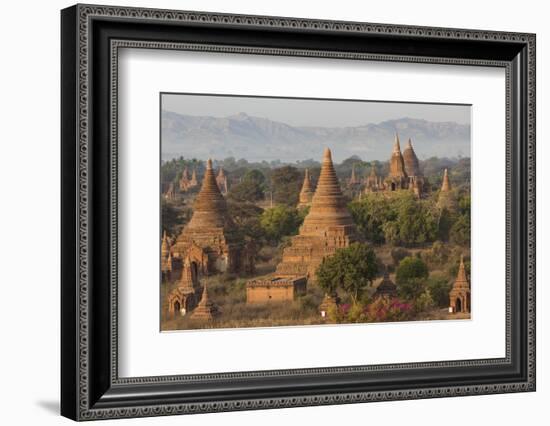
(91, 387)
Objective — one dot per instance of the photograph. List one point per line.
(308, 212)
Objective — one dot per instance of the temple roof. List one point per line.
(386, 286)
(165, 247)
(328, 207)
(411, 160)
(461, 279)
(307, 191)
(353, 179)
(446, 185)
(209, 209)
(186, 281)
(205, 310)
(397, 165)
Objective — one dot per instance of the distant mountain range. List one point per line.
(257, 139)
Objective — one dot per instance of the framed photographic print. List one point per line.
(263, 212)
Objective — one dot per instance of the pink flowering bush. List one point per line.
(387, 310)
(381, 310)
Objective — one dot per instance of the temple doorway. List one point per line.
(177, 308)
(194, 271)
(458, 305)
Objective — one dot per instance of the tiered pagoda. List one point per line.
(446, 199)
(412, 168)
(186, 183)
(206, 310)
(387, 288)
(306, 193)
(460, 293)
(209, 239)
(184, 297)
(404, 172)
(327, 227)
(165, 257)
(373, 183)
(170, 193)
(221, 180)
(397, 178)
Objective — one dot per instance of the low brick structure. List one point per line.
(274, 289)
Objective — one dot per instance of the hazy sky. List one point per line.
(313, 112)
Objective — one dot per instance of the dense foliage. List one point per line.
(351, 269)
(410, 277)
(280, 221)
(251, 188)
(286, 183)
(398, 218)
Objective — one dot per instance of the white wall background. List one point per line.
(29, 212)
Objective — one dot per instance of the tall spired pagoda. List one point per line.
(460, 293)
(306, 193)
(327, 227)
(209, 239)
(221, 179)
(446, 199)
(397, 178)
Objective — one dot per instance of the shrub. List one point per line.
(350, 269)
(439, 288)
(386, 310)
(398, 254)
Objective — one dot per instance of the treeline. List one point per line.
(432, 168)
(400, 219)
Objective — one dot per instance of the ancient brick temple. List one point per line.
(209, 239)
(206, 310)
(446, 199)
(397, 178)
(184, 297)
(170, 193)
(186, 183)
(404, 172)
(274, 289)
(327, 227)
(387, 288)
(221, 180)
(166, 264)
(460, 293)
(412, 168)
(306, 193)
(373, 182)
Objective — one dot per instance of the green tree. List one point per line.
(251, 188)
(280, 221)
(370, 214)
(351, 269)
(439, 288)
(399, 218)
(247, 218)
(286, 183)
(410, 277)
